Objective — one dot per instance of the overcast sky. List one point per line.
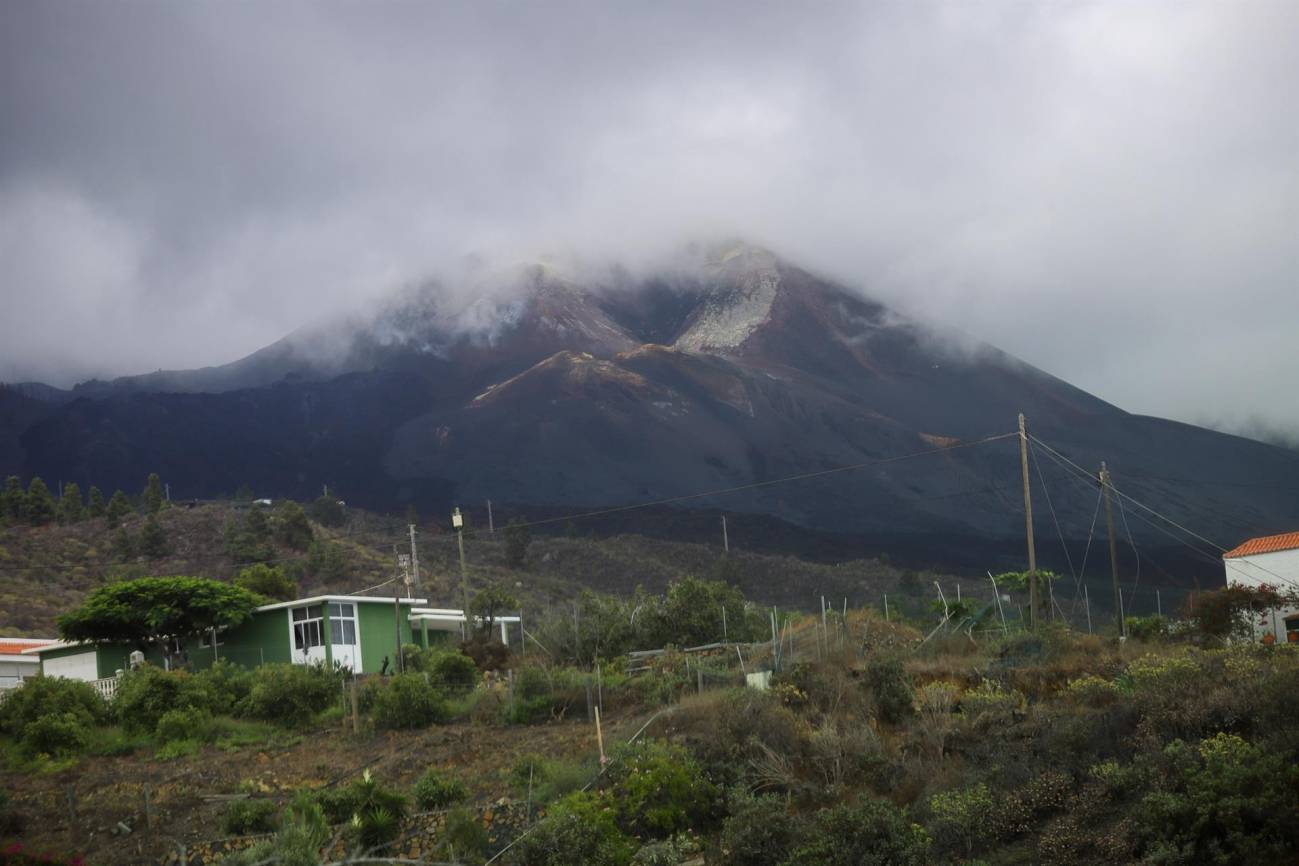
(1108, 190)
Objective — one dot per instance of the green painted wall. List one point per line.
(264, 639)
(379, 634)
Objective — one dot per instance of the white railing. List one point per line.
(107, 687)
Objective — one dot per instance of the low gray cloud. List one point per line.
(1107, 190)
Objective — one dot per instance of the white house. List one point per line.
(14, 665)
(1272, 560)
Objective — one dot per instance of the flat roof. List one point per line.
(58, 644)
(319, 599)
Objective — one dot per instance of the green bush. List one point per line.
(145, 695)
(580, 829)
(891, 689)
(185, 723)
(246, 817)
(1147, 628)
(222, 689)
(374, 812)
(43, 696)
(57, 734)
(658, 789)
(759, 832)
(963, 818)
(547, 779)
(454, 671)
(436, 790)
(872, 833)
(290, 694)
(463, 838)
(405, 701)
(303, 832)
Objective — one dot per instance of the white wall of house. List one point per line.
(15, 669)
(1279, 568)
(81, 666)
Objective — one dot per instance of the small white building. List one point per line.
(1271, 560)
(14, 665)
(447, 622)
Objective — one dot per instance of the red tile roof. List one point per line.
(15, 646)
(1266, 544)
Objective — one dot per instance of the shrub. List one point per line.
(1223, 801)
(759, 832)
(435, 790)
(43, 696)
(375, 813)
(1147, 628)
(579, 829)
(890, 688)
(548, 779)
(405, 701)
(57, 734)
(145, 695)
(990, 698)
(186, 723)
(221, 689)
(10, 821)
(962, 817)
(454, 671)
(463, 838)
(290, 694)
(303, 832)
(658, 789)
(246, 817)
(871, 833)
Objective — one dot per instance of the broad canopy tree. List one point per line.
(147, 610)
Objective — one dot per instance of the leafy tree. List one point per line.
(291, 526)
(1017, 581)
(140, 612)
(517, 539)
(123, 545)
(325, 561)
(327, 511)
(490, 603)
(691, 614)
(118, 507)
(154, 542)
(268, 581)
(1234, 610)
(13, 502)
(97, 506)
(70, 507)
(658, 789)
(39, 504)
(248, 540)
(153, 496)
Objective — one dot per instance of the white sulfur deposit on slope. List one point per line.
(729, 315)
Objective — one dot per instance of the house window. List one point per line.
(342, 623)
(307, 631)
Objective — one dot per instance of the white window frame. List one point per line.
(342, 614)
(309, 624)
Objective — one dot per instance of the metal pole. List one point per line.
(1087, 602)
(491, 524)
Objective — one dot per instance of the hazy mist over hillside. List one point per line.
(1108, 191)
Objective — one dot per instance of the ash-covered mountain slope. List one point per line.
(553, 390)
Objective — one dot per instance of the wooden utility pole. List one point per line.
(491, 524)
(1033, 591)
(1114, 552)
(414, 559)
(458, 523)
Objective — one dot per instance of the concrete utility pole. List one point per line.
(1114, 552)
(1033, 591)
(414, 560)
(726, 541)
(458, 523)
(491, 524)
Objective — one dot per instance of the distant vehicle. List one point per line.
(261, 502)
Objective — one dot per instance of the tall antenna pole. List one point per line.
(458, 522)
(414, 559)
(1033, 591)
(1114, 552)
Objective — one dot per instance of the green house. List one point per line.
(350, 631)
